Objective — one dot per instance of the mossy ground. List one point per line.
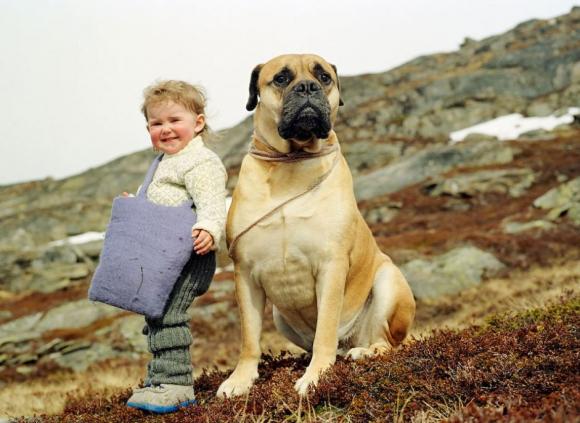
(515, 367)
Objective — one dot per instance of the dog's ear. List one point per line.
(340, 102)
(254, 91)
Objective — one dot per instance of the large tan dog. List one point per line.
(314, 258)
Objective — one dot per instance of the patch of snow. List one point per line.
(510, 127)
(79, 239)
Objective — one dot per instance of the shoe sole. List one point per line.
(160, 409)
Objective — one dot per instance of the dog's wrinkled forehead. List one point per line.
(297, 67)
(282, 73)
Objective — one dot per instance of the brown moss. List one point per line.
(515, 367)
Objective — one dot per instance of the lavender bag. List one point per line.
(145, 250)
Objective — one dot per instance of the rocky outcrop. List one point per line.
(430, 162)
(449, 273)
(503, 181)
(47, 268)
(562, 200)
(533, 69)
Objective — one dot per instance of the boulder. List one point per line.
(450, 273)
(131, 328)
(562, 200)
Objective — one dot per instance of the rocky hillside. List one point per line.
(477, 226)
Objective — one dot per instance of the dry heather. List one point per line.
(46, 390)
(515, 367)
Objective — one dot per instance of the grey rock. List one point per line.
(72, 346)
(70, 271)
(449, 273)
(17, 338)
(503, 181)
(80, 360)
(560, 195)
(517, 227)
(540, 108)
(25, 370)
(536, 135)
(430, 162)
(26, 359)
(50, 346)
(380, 214)
(563, 199)
(365, 155)
(131, 329)
(477, 137)
(39, 283)
(74, 315)
(19, 240)
(21, 327)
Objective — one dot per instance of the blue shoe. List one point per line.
(164, 398)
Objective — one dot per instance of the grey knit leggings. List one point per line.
(169, 337)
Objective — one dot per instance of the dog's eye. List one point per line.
(281, 79)
(325, 78)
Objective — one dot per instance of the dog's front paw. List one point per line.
(237, 384)
(306, 381)
(359, 353)
(310, 378)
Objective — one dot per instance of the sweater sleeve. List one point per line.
(206, 183)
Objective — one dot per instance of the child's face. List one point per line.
(171, 126)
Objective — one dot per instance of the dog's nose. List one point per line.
(307, 87)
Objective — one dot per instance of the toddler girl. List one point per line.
(174, 111)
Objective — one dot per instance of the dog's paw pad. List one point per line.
(358, 353)
(302, 385)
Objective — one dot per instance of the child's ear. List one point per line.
(199, 123)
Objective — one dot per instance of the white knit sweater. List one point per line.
(194, 173)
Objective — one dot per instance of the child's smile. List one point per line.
(171, 126)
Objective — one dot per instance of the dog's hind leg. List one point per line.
(389, 315)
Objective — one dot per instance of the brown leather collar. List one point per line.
(273, 155)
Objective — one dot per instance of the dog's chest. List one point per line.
(285, 252)
(288, 280)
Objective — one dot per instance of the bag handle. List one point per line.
(149, 176)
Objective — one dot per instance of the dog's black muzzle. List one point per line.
(305, 113)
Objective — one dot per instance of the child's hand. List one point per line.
(203, 242)
(126, 194)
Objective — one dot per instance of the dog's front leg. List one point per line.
(251, 300)
(330, 284)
